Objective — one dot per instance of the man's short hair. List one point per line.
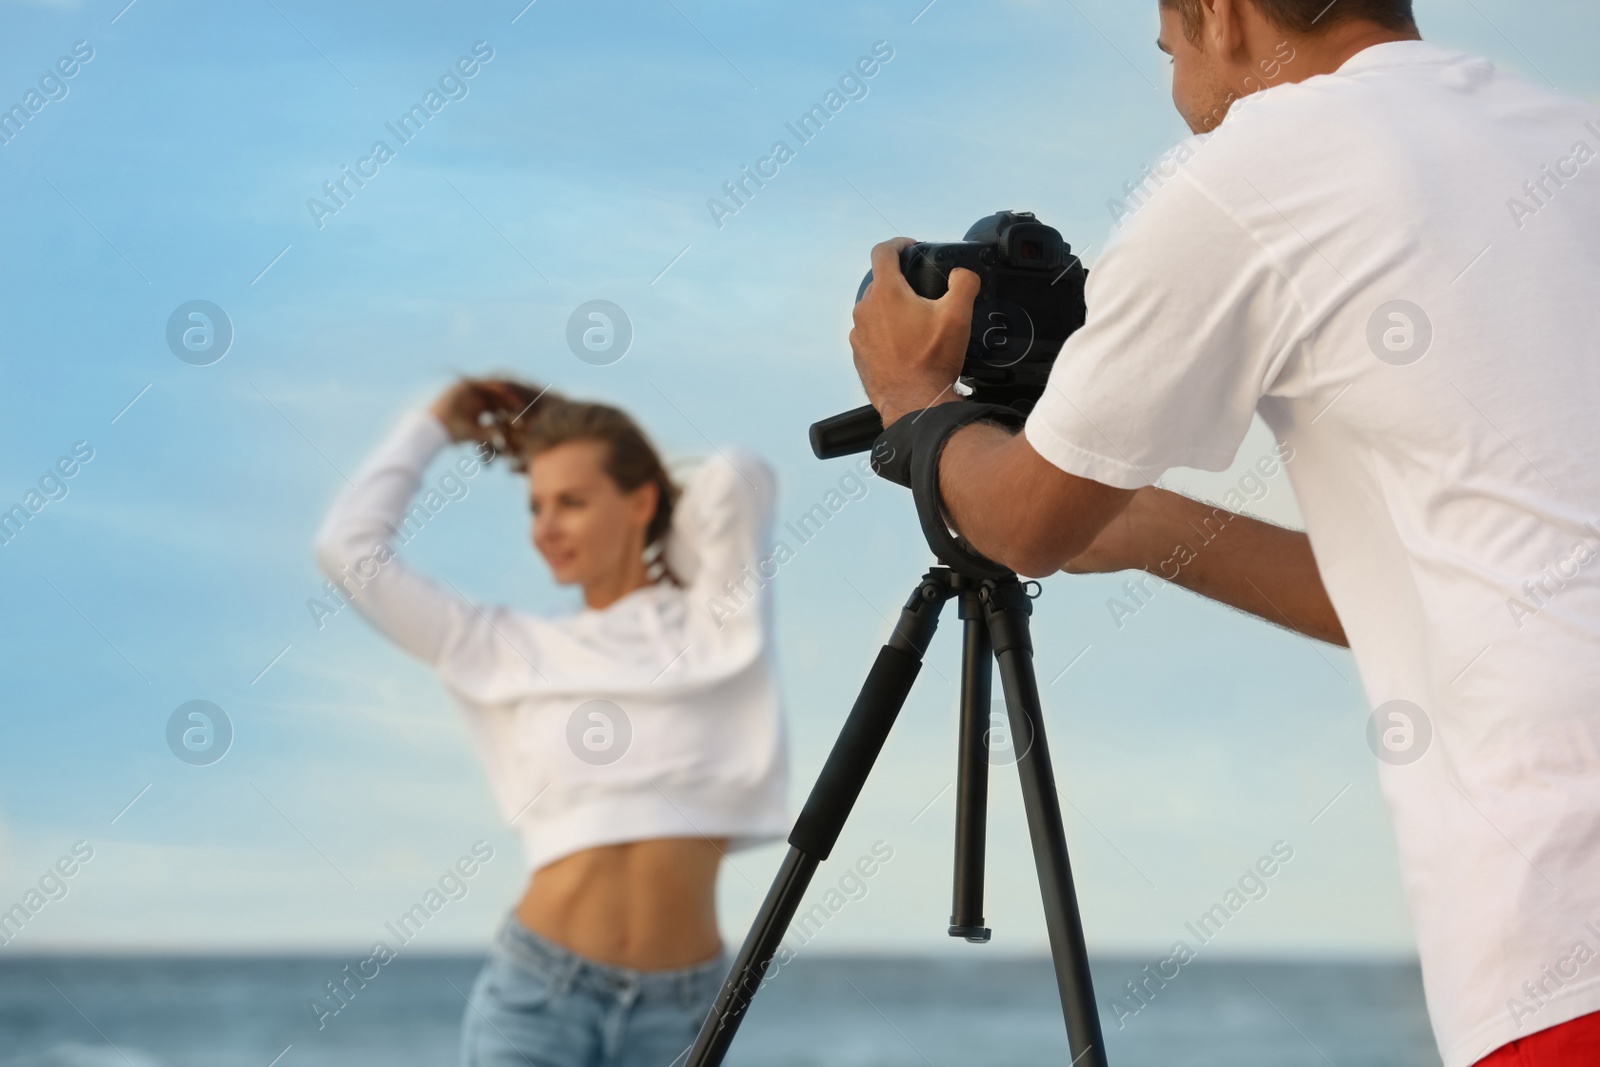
(1309, 17)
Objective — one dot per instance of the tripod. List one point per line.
(994, 611)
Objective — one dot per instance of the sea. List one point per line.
(839, 1011)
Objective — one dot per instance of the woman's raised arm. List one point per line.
(721, 544)
(355, 548)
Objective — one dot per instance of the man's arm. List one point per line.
(1240, 561)
(1017, 508)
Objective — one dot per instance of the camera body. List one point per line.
(1030, 300)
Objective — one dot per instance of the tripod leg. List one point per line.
(817, 828)
(1008, 610)
(972, 772)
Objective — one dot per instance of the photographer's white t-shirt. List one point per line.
(1398, 266)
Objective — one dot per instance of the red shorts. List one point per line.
(1572, 1044)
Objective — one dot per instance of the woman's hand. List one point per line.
(469, 407)
(460, 408)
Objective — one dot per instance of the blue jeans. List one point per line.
(538, 1004)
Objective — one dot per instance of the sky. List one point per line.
(185, 159)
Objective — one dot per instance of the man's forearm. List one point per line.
(1017, 508)
(1020, 510)
(1245, 563)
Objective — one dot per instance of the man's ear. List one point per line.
(1222, 27)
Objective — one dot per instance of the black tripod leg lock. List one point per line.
(907, 453)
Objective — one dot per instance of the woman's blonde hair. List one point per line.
(543, 419)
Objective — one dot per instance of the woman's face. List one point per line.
(584, 525)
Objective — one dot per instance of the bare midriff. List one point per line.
(646, 905)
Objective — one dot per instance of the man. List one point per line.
(1391, 252)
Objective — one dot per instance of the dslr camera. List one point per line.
(1030, 300)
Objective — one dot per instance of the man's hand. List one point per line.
(908, 349)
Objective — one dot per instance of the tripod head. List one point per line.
(908, 453)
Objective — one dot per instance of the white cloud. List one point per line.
(73, 1054)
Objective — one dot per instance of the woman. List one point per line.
(630, 744)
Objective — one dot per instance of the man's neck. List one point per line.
(1325, 53)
